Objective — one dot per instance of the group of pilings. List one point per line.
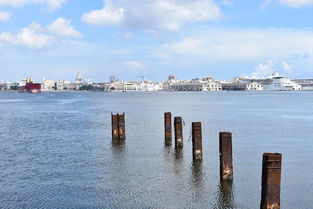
(271, 165)
(226, 160)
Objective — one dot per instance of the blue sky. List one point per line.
(55, 39)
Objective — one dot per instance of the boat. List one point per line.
(280, 83)
(29, 86)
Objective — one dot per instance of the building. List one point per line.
(146, 85)
(48, 85)
(186, 86)
(242, 86)
(306, 84)
(206, 84)
(121, 86)
(79, 78)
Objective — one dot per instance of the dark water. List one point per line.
(56, 150)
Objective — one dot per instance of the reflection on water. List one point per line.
(179, 154)
(118, 143)
(167, 142)
(197, 173)
(225, 195)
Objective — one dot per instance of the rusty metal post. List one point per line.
(168, 126)
(178, 125)
(196, 141)
(114, 126)
(226, 158)
(271, 178)
(121, 126)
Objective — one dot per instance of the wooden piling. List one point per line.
(114, 126)
(178, 132)
(121, 126)
(226, 158)
(168, 126)
(118, 126)
(271, 180)
(196, 141)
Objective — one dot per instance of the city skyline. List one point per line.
(224, 39)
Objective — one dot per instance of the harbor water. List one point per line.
(56, 150)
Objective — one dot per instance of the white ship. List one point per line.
(280, 83)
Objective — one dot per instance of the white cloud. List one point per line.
(287, 67)
(51, 4)
(168, 15)
(36, 37)
(243, 44)
(63, 27)
(297, 3)
(5, 16)
(290, 3)
(109, 15)
(263, 70)
(133, 64)
(29, 36)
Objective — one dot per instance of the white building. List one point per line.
(79, 78)
(121, 86)
(254, 86)
(146, 85)
(48, 85)
(206, 84)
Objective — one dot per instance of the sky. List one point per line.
(129, 39)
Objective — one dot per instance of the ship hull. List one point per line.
(33, 88)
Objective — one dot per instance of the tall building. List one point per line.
(113, 79)
(79, 78)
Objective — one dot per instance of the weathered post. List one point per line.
(168, 127)
(196, 141)
(114, 126)
(271, 178)
(121, 126)
(118, 126)
(178, 132)
(226, 158)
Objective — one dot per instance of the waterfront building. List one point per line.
(306, 84)
(131, 86)
(186, 86)
(240, 86)
(6, 86)
(80, 81)
(121, 86)
(146, 85)
(210, 84)
(48, 85)
(206, 84)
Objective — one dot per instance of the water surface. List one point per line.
(56, 150)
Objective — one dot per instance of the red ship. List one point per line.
(30, 86)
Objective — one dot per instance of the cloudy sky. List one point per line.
(154, 38)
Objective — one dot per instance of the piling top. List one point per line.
(272, 160)
(272, 156)
(167, 114)
(117, 113)
(196, 123)
(178, 119)
(225, 134)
